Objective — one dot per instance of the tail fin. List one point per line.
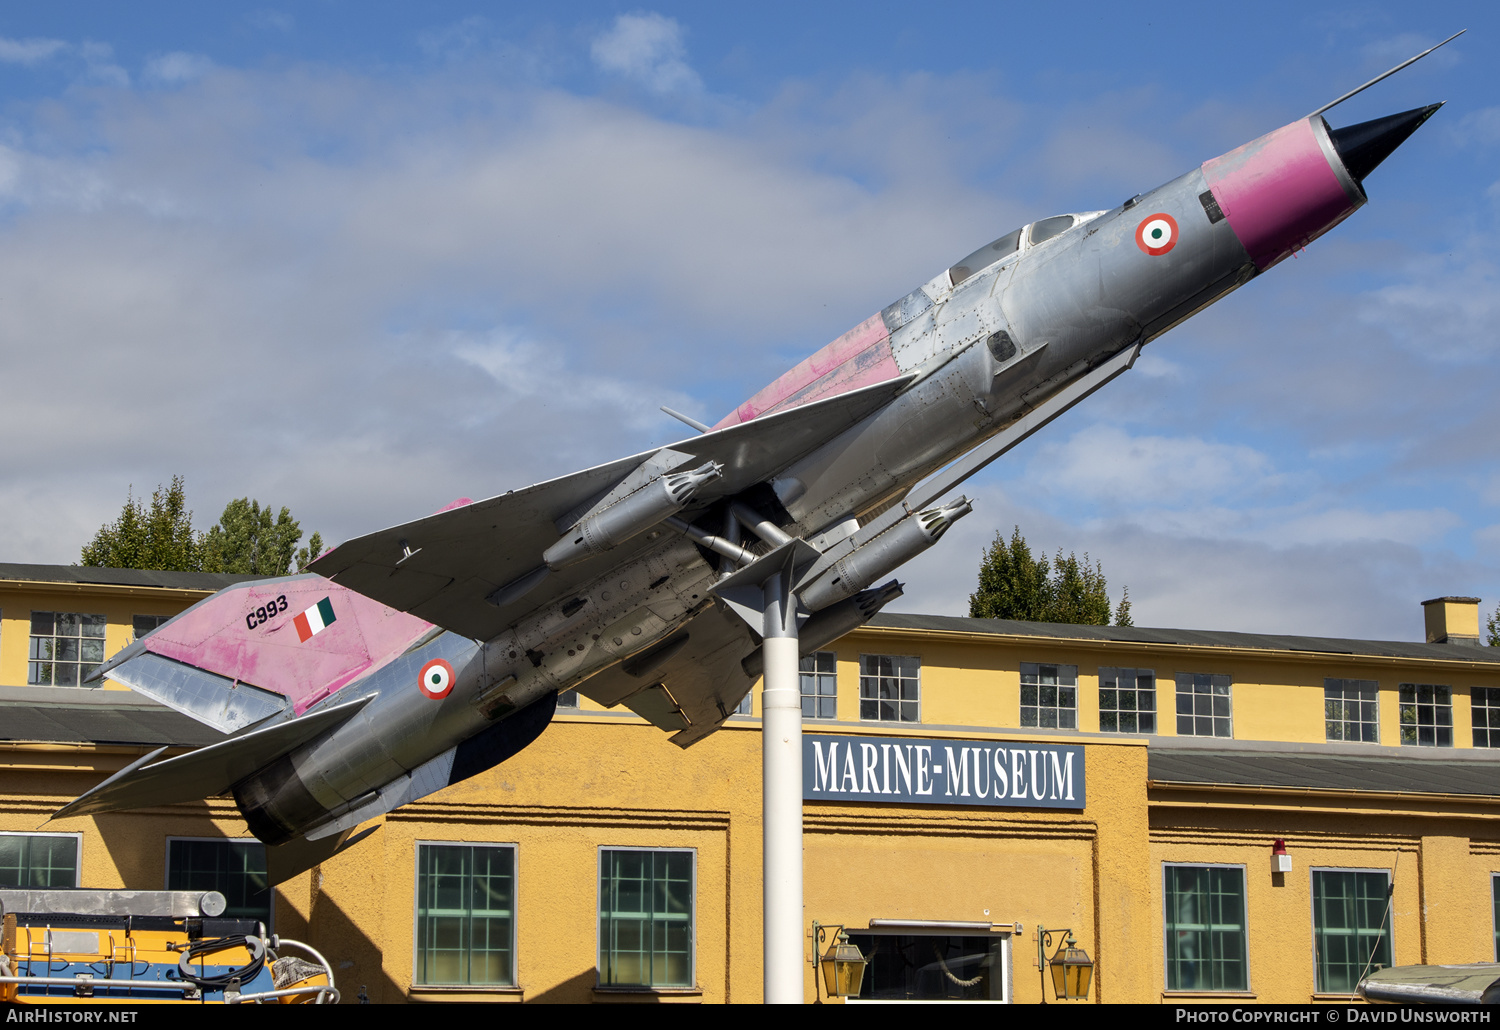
(264, 651)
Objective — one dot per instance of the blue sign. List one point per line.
(906, 771)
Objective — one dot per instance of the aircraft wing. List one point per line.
(687, 684)
(444, 568)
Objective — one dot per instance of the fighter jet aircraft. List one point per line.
(415, 657)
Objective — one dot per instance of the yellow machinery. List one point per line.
(93, 946)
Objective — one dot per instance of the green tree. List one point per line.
(1493, 625)
(1015, 585)
(1012, 583)
(248, 540)
(158, 537)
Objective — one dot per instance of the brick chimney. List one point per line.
(1452, 620)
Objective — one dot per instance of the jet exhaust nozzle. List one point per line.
(1363, 146)
(882, 554)
(635, 513)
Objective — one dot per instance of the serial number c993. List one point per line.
(266, 612)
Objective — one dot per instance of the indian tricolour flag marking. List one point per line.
(315, 620)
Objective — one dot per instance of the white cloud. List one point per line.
(98, 59)
(1104, 463)
(270, 258)
(1364, 588)
(177, 67)
(524, 369)
(29, 51)
(1154, 366)
(1447, 307)
(1481, 127)
(1414, 527)
(363, 299)
(648, 49)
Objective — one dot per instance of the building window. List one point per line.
(234, 868)
(466, 928)
(1049, 696)
(567, 699)
(1485, 702)
(1127, 700)
(820, 685)
(39, 859)
(1426, 715)
(1203, 705)
(1351, 926)
(745, 704)
(1205, 928)
(645, 918)
(1351, 710)
(890, 688)
(933, 967)
(140, 625)
(65, 648)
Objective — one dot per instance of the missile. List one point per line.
(879, 555)
(635, 513)
(832, 622)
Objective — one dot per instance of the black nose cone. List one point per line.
(1362, 147)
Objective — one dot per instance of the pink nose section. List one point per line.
(1289, 187)
(1284, 190)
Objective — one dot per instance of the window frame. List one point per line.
(1390, 918)
(1193, 716)
(1138, 712)
(416, 908)
(34, 661)
(1007, 963)
(899, 678)
(77, 853)
(1491, 709)
(692, 951)
(817, 675)
(1416, 706)
(167, 870)
(1371, 725)
(1244, 929)
(1063, 713)
(158, 621)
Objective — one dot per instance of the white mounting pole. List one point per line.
(761, 594)
(781, 794)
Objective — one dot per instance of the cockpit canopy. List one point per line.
(1033, 234)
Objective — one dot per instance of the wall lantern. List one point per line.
(1072, 969)
(843, 964)
(1281, 862)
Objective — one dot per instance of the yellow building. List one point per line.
(605, 864)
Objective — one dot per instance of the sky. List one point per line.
(360, 259)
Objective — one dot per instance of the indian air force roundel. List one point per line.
(1157, 234)
(436, 679)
